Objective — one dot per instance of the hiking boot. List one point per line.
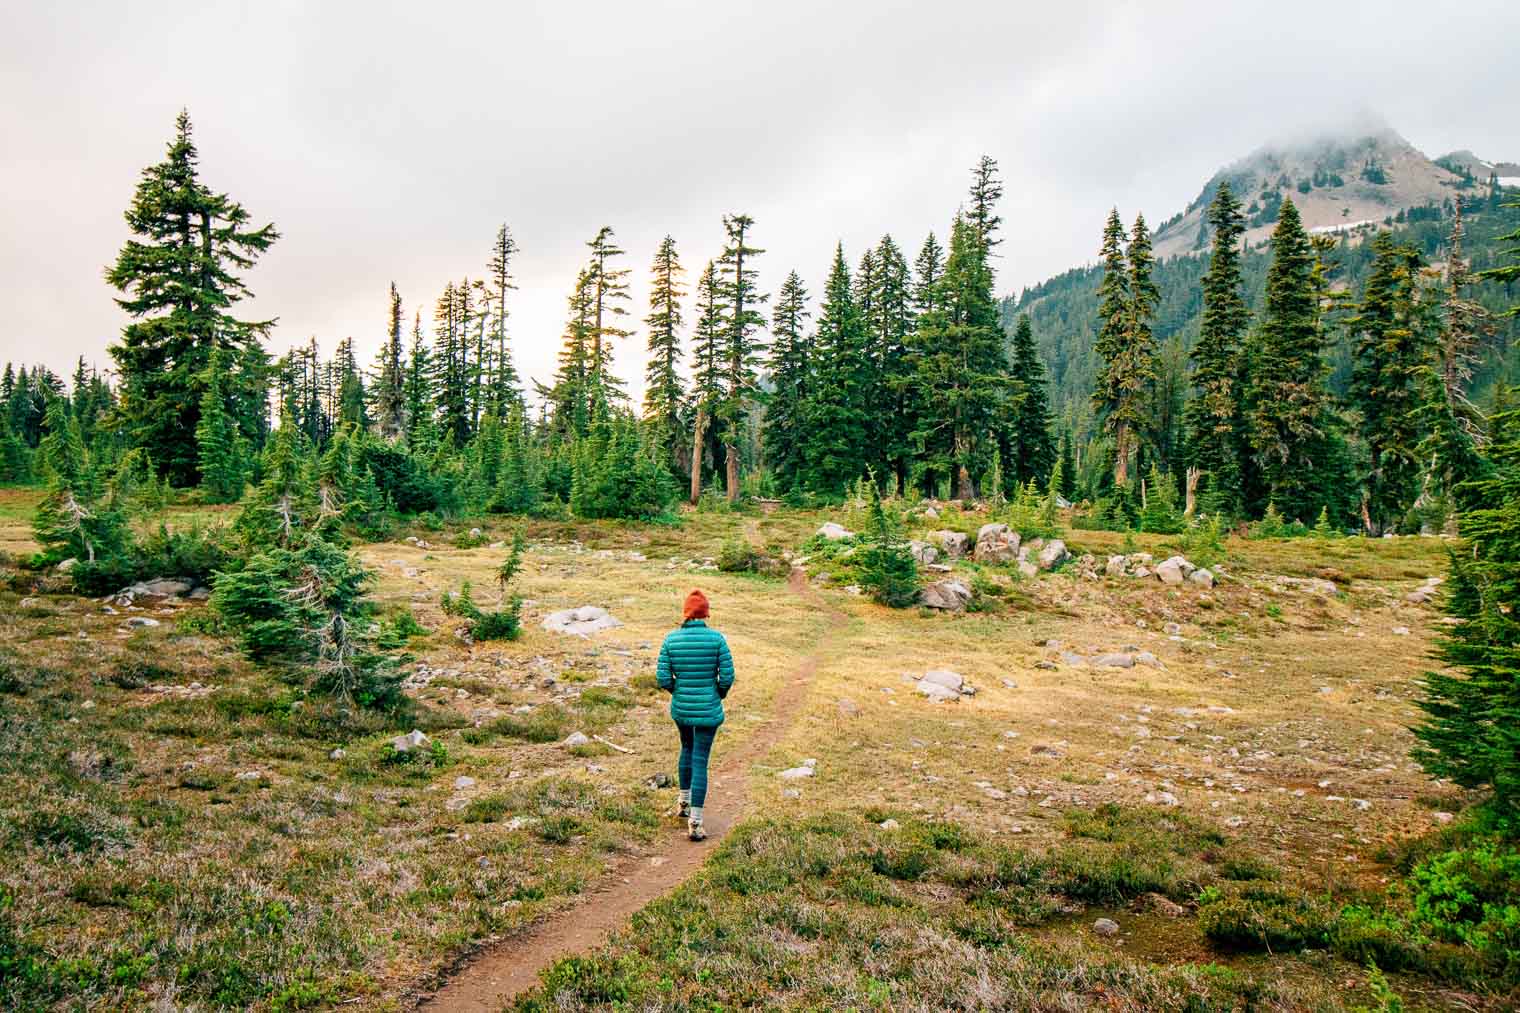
(683, 811)
(696, 832)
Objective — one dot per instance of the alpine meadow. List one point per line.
(420, 591)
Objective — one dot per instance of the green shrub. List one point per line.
(1260, 916)
(737, 556)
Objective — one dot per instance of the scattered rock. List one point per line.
(1164, 905)
(1174, 570)
(576, 739)
(462, 782)
(660, 779)
(249, 775)
(1028, 569)
(67, 565)
(1442, 818)
(949, 595)
(796, 773)
(1115, 660)
(889, 824)
(1147, 658)
(1202, 577)
(141, 621)
(1106, 927)
(410, 741)
(996, 543)
(581, 622)
(952, 681)
(849, 709)
(790, 793)
(337, 754)
(1075, 660)
(1052, 554)
(835, 532)
(1401, 631)
(1115, 566)
(936, 692)
(1173, 629)
(923, 552)
(953, 543)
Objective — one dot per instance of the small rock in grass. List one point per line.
(462, 782)
(1164, 905)
(577, 739)
(795, 773)
(1401, 631)
(337, 754)
(1106, 927)
(410, 741)
(141, 621)
(1442, 818)
(889, 824)
(1116, 660)
(835, 532)
(791, 793)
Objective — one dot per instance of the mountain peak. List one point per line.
(1342, 179)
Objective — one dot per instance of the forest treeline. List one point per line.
(1342, 393)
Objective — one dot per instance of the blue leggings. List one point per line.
(696, 747)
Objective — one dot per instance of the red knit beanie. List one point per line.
(696, 606)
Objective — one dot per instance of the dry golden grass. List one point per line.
(1272, 711)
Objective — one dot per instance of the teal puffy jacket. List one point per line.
(696, 670)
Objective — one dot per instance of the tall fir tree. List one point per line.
(1453, 423)
(961, 380)
(1032, 448)
(1507, 273)
(1471, 733)
(664, 392)
(1289, 427)
(709, 339)
(504, 383)
(986, 191)
(786, 430)
(609, 290)
(742, 296)
(1122, 388)
(1394, 349)
(1212, 420)
(389, 390)
(180, 275)
(220, 448)
(418, 392)
(836, 413)
(889, 321)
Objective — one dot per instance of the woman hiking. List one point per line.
(697, 671)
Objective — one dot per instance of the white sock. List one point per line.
(686, 797)
(696, 815)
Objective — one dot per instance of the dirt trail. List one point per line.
(501, 972)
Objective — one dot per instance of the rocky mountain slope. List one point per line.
(1341, 182)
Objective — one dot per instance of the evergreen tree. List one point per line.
(742, 297)
(835, 414)
(219, 447)
(962, 387)
(709, 337)
(15, 457)
(927, 271)
(664, 393)
(608, 289)
(418, 391)
(390, 377)
(986, 191)
(77, 518)
(1032, 449)
(1393, 351)
(1452, 421)
(1472, 729)
(1124, 339)
(1212, 419)
(1288, 425)
(574, 397)
(1068, 470)
(887, 568)
(179, 276)
(1507, 273)
(787, 434)
(889, 320)
(504, 381)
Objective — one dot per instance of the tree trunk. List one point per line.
(699, 430)
(731, 471)
(1367, 524)
(1121, 455)
(1192, 492)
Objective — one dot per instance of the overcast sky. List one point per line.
(387, 142)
